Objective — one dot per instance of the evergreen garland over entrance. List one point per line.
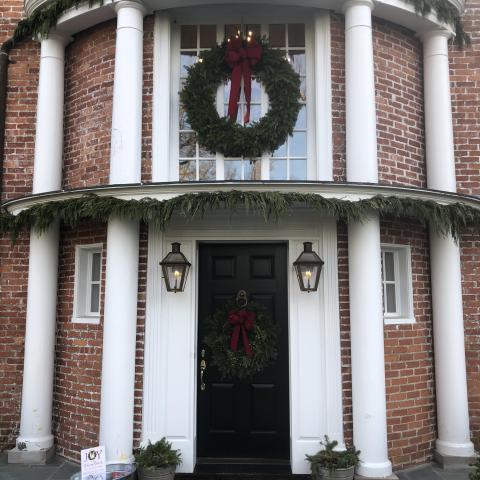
(444, 219)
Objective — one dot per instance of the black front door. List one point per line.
(246, 419)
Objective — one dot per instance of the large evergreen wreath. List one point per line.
(242, 340)
(221, 134)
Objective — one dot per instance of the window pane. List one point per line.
(187, 144)
(298, 169)
(187, 171)
(188, 36)
(95, 267)
(95, 298)
(389, 267)
(281, 151)
(276, 35)
(298, 144)
(207, 170)
(232, 29)
(296, 35)
(303, 90)
(183, 119)
(298, 61)
(204, 152)
(187, 59)
(278, 169)
(233, 169)
(391, 300)
(302, 119)
(208, 36)
(256, 91)
(255, 113)
(252, 169)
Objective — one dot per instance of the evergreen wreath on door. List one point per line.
(242, 339)
(239, 59)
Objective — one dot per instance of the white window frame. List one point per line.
(83, 284)
(403, 285)
(165, 166)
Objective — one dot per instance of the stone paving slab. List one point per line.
(60, 469)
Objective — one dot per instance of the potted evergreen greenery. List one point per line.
(332, 464)
(476, 474)
(157, 461)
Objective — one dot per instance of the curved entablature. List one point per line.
(164, 191)
(400, 12)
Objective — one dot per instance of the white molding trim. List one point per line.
(161, 98)
(323, 97)
(164, 191)
(169, 406)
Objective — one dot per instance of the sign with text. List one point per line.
(93, 464)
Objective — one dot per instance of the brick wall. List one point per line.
(89, 71)
(470, 258)
(13, 302)
(465, 80)
(147, 98)
(337, 32)
(411, 416)
(399, 98)
(409, 376)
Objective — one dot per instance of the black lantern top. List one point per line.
(175, 269)
(308, 267)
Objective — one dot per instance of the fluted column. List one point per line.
(37, 393)
(448, 331)
(366, 312)
(121, 279)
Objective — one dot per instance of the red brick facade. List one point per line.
(89, 73)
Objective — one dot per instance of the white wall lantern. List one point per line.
(308, 267)
(175, 269)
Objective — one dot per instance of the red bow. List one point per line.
(242, 321)
(241, 56)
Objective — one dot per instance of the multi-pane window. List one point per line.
(88, 272)
(397, 284)
(289, 161)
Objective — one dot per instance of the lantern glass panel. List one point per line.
(175, 276)
(308, 276)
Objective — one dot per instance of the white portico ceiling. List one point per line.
(396, 11)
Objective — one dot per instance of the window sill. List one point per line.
(398, 320)
(89, 320)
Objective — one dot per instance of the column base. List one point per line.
(32, 457)
(454, 449)
(451, 462)
(375, 470)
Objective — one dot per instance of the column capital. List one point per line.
(436, 33)
(358, 3)
(138, 4)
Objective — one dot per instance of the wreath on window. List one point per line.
(242, 340)
(239, 59)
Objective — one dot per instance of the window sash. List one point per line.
(266, 160)
(395, 282)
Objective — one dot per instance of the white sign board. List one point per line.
(93, 464)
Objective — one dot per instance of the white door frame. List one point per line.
(170, 364)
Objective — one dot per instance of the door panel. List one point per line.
(244, 419)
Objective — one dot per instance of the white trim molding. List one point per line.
(169, 404)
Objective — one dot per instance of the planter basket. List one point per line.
(319, 473)
(167, 473)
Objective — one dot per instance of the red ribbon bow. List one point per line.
(242, 321)
(241, 56)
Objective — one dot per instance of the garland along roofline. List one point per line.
(445, 219)
(42, 20)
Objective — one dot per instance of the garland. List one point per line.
(42, 20)
(242, 342)
(221, 134)
(445, 219)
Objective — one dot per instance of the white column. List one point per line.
(119, 340)
(368, 360)
(448, 330)
(47, 169)
(365, 282)
(361, 123)
(126, 145)
(37, 393)
(121, 279)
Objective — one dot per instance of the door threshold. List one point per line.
(243, 466)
